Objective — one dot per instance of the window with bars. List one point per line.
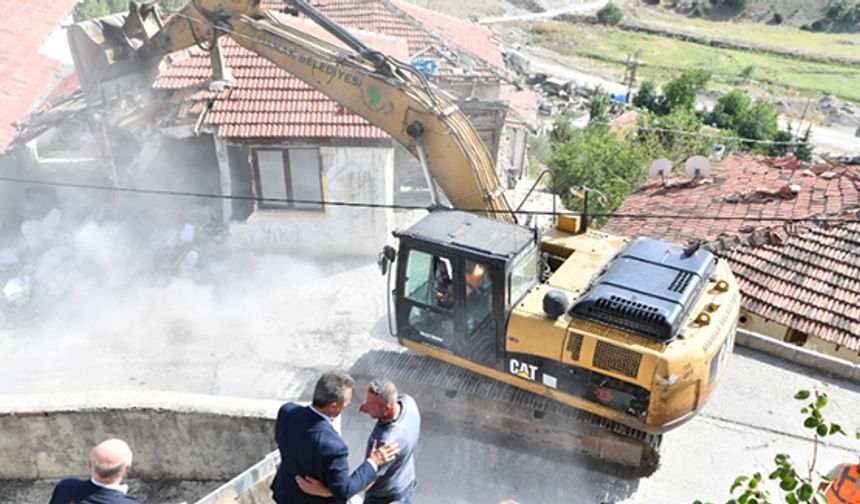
(288, 178)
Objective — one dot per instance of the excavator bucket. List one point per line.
(104, 50)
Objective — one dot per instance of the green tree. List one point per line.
(747, 73)
(562, 131)
(793, 487)
(803, 149)
(787, 145)
(843, 12)
(598, 111)
(647, 97)
(784, 143)
(729, 109)
(598, 159)
(610, 14)
(676, 135)
(681, 91)
(89, 9)
(759, 123)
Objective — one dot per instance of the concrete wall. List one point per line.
(799, 355)
(350, 174)
(760, 325)
(512, 156)
(172, 435)
(819, 345)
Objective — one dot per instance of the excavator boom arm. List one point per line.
(387, 93)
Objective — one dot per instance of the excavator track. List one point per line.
(468, 400)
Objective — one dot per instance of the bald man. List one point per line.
(109, 462)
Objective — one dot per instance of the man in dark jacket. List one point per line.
(109, 462)
(398, 420)
(310, 446)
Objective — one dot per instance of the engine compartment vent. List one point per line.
(617, 359)
(681, 281)
(648, 289)
(574, 345)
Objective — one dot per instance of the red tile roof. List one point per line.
(524, 102)
(809, 281)
(267, 102)
(25, 75)
(471, 37)
(464, 50)
(741, 186)
(251, 109)
(804, 276)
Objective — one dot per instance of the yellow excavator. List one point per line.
(572, 337)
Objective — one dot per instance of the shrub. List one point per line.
(550, 30)
(681, 92)
(842, 12)
(777, 18)
(611, 14)
(647, 97)
(598, 112)
(819, 26)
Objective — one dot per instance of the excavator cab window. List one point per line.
(479, 295)
(524, 275)
(429, 284)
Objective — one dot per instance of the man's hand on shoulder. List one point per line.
(381, 455)
(313, 486)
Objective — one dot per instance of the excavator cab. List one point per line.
(458, 277)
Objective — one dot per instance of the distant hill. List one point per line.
(816, 15)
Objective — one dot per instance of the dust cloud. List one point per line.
(116, 291)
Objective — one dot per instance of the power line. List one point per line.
(712, 135)
(225, 29)
(386, 206)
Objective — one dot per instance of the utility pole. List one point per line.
(630, 73)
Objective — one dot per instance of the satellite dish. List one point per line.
(660, 168)
(697, 166)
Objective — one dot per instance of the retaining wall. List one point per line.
(172, 435)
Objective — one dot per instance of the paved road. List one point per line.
(573, 8)
(273, 323)
(834, 140)
(541, 61)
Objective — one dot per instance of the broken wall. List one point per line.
(488, 119)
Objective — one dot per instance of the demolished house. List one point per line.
(229, 122)
(34, 59)
(798, 280)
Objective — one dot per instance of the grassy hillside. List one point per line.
(838, 44)
(790, 12)
(465, 9)
(662, 57)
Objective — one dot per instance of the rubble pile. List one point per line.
(55, 252)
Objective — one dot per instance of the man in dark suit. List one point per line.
(109, 462)
(311, 446)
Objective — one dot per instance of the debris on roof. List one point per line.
(782, 188)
